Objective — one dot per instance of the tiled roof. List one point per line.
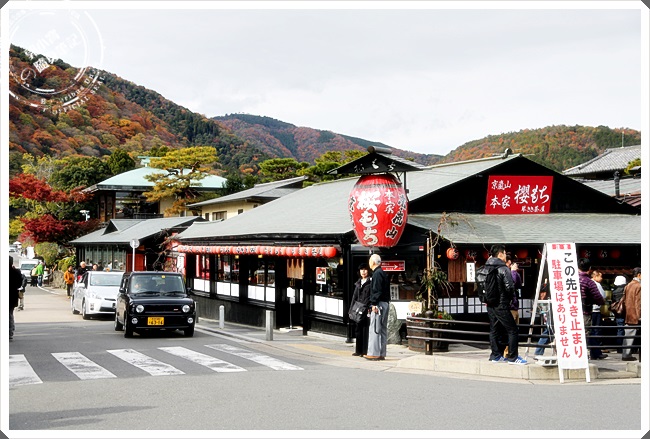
(613, 159)
(321, 209)
(626, 186)
(122, 231)
(583, 228)
(135, 178)
(267, 191)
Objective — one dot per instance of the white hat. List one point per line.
(620, 280)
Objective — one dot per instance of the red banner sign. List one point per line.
(519, 194)
(393, 265)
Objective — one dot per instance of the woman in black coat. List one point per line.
(362, 294)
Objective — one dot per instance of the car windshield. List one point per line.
(27, 266)
(159, 283)
(105, 280)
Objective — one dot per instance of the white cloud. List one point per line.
(425, 80)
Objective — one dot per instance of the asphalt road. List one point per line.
(93, 379)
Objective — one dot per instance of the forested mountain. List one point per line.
(557, 147)
(281, 139)
(130, 117)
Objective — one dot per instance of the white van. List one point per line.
(26, 266)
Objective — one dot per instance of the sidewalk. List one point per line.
(461, 360)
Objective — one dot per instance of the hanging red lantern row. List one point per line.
(378, 210)
(266, 250)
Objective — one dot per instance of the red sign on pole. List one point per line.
(519, 194)
(393, 265)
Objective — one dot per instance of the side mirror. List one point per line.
(189, 291)
(122, 290)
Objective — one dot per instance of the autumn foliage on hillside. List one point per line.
(556, 147)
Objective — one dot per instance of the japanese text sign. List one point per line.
(378, 210)
(524, 194)
(568, 322)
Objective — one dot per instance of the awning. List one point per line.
(580, 228)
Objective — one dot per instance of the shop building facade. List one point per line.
(298, 255)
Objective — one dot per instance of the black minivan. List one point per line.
(154, 300)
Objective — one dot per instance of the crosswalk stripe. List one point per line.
(81, 366)
(146, 363)
(204, 360)
(21, 372)
(262, 359)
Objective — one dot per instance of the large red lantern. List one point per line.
(377, 206)
(615, 253)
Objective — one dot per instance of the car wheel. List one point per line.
(74, 311)
(128, 329)
(84, 314)
(118, 325)
(188, 332)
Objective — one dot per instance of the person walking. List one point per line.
(379, 302)
(361, 293)
(596, 318)
(15, 283)
(632, 313)
(590, 295)
(68, 278)
(40, 269)
(501, 319)
(619, 317)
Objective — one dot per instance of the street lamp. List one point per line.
(85, 213)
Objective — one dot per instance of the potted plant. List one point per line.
(434, 283)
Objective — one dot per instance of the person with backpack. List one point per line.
(498, 292)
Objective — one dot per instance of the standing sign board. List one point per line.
(568, 322)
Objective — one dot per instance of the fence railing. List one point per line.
(478, 333)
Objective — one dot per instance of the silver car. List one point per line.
(95, 293)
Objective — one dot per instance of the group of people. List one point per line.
(594, 299)
(373, 290)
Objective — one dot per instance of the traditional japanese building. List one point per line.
(112, 246)
(298, 255)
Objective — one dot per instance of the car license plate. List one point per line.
(155, 321)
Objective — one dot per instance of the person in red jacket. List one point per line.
(590, 295)
(632, 313)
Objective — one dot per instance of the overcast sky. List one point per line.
(425, 80)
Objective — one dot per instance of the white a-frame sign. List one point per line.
(566, 302)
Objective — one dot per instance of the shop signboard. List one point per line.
(518, 194)
(564, 286)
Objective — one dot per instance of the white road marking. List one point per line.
(204, 360)
(81, 366)
(148, 364)
(20, 372)
(262, 359)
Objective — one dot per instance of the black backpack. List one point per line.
(488, 286)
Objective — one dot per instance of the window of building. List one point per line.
(240, 211)
(261, 281)
(227, 271)
(221, 215)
